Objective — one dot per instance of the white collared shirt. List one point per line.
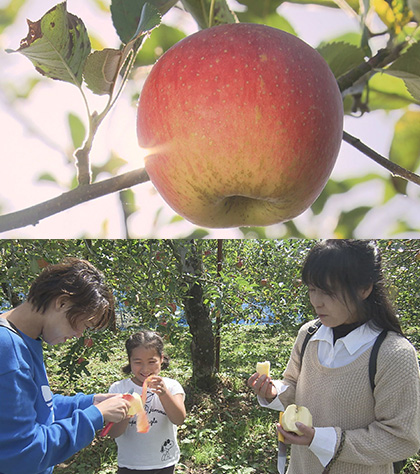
(343, 352)
(346, 349)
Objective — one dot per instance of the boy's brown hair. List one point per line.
(85, 286)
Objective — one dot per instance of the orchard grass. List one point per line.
(224, 432)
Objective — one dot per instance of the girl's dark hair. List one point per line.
(90, 297)
(344, 267)
(148, 340)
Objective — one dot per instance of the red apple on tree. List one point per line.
(42, 263)
(88, 342)
(242, 124)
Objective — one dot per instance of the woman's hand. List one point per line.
(293, 438)
(262, 386)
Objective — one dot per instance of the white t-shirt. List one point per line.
(153, 450)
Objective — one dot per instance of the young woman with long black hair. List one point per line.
(356, 429)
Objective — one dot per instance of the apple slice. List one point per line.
(263, 368)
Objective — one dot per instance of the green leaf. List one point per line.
(128, 202)
(405, 146)
(348, 221)
(261, 9)
(47, 177)
(77, 130)
(350, 37)
(9, 13)
(102, 67)
(132, 18)
(388, 93)
(200, 11)
(150, 18)
(101, 70)
(339, 187)
(159, 41)
(341, 57)
(163, 6)
(407, 67)
(273, 19)
(111, 166)
(57, 45)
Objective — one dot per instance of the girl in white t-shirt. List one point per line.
(156, 451)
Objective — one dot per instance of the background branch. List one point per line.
(395, 169)
(32, 215)
(381, 59)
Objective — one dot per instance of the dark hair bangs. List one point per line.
(324, 270)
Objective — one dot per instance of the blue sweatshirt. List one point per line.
(37, 429)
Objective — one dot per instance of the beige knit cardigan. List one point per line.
(380, 428)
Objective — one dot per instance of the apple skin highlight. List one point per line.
(242, 124)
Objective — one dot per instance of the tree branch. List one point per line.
(381, 59)
(32, 215)
(395, 169)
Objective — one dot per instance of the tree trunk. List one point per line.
(202, 345)
(197, 314)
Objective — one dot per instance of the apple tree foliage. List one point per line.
(198, 288)
(61, 47)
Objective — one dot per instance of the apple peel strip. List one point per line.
(142, 423)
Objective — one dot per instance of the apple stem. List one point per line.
(211, 13)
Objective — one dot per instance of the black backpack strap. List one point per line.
(311, 331)
(10, 326)
(374, 357)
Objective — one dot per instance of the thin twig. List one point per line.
(395, 169)
(32, 215)
(381, 59)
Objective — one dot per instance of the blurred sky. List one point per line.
(24, 156)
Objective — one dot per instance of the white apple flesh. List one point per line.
(135, 403)
(263, 368)
(293, 414)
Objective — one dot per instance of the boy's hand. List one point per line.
(100, 397)
(114, 409)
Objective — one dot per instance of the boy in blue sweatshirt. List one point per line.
(38, 429)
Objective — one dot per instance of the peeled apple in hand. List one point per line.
(241, 125)
(135, 403)
(137, 408)
(263, 368)
(293, 414)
